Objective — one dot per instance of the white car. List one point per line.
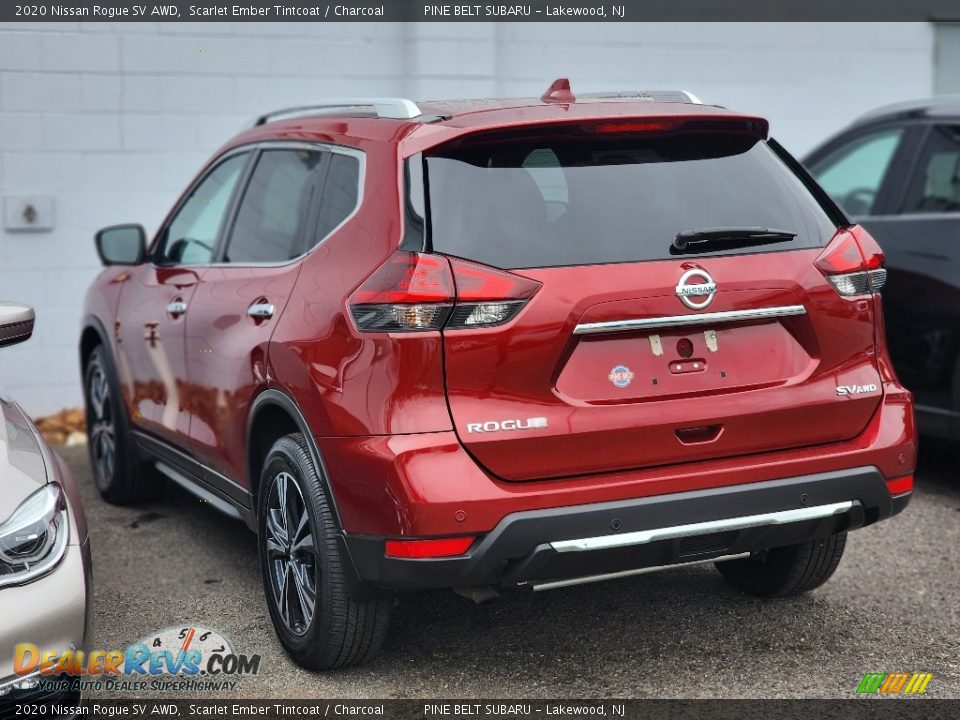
(45, 591)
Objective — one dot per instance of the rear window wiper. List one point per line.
(707, 239)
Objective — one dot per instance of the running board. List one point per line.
(197, 491)
(554, 584)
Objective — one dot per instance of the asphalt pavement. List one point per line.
(893, 606)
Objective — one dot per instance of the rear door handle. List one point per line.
(261, 311)
(177, 308)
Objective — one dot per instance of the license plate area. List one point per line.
(633, 367)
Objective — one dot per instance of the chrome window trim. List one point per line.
(360, 155)
(712, 318)
(642, 537)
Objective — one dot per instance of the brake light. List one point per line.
(853, 262)
(635, 127)
(410, 291)
(443, 547)
(487, 296)
(749, 126)
(419, 291)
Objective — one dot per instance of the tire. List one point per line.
(338, 631)
(786, 571)
(117, 472)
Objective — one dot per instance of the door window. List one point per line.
(853, 173)
(191, 237)
(935, 187)
(270, 222)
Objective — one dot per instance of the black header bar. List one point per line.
(444, 11)
(451, 709)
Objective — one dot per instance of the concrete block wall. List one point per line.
(112, 120)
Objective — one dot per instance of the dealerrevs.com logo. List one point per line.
(186, 658)
(902, 683)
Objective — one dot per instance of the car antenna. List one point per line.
(558, 92)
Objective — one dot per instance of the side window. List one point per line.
(852, 174)
(341, 190)
(935, 188)
(275, 206)
(544, 166)
(191, 236)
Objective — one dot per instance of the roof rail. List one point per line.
(392, 108)
(560, 92)
(656, 95)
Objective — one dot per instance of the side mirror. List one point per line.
(16, 323)
(122, 244)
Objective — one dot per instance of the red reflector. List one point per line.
(443, 547)
(899, 486)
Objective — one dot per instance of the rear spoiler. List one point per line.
(743, 125)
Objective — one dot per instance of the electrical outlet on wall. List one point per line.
(25, 213)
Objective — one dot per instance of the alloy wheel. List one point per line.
(103, 442)
(291, 554)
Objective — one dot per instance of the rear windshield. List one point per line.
(584, 200)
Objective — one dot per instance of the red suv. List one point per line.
(500, 342)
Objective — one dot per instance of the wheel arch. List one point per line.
(274, 414)
(93, 333)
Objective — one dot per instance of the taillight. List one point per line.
(418, 291)
(487, 296)
(853, 262)
(410, 291)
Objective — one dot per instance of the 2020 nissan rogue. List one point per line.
(527, 342)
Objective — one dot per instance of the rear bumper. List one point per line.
(538, 546)
(428, 485)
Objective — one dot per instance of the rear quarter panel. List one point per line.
(347, 383)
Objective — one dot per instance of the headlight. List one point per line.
(34, 539)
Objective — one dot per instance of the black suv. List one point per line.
(896, 171)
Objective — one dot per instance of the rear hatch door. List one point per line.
(632, 354)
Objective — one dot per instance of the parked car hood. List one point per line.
(22, 465)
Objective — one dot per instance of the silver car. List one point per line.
(45, 590)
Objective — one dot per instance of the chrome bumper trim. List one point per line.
(641, 537)
(8, 684)
(553, 584)
(713, 318)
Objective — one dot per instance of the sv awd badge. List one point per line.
(848, 390)
(495, 426)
